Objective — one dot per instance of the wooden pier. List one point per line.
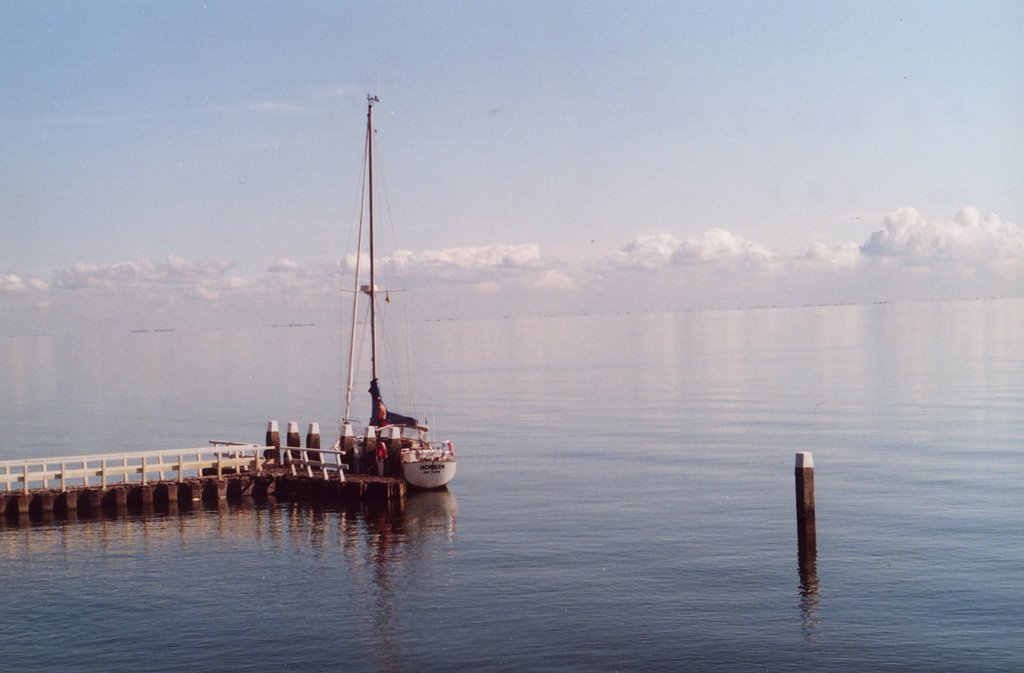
(91, 484)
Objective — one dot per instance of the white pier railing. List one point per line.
(139, 467)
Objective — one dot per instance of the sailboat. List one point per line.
(392, 444)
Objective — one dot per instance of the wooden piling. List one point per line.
(66, 503)
(166, 493)
(392, 435)
(293, 440)
(804, 473)
(347, 444)
(313, 442)
(214, 490)
(116, 498)
(274, 440)
(91, 499)
(369, 456)
(189, 492)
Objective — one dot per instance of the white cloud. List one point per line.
(480, 258)
(968, 242)
(284, 265)
(713, 247)
(12, 284)
(909, 257)
(647, 252)
(718, 246)
(143, 273)
(846, 256)
(487, 268)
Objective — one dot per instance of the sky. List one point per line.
(197, 164)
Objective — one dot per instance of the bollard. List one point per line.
(393, 438)
(293, 440)
(313, 442)
(804, 473)
(369, 447)
(274, 440)
(347, 444)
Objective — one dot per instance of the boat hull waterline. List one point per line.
(428, 474)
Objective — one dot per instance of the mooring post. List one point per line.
(347, 444)
(293, 440)
(370, 446)
(313, 442)
(393, 434)
(274, 440)
(804, 473)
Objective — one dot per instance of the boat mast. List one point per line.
(370, 100)
(346, 415)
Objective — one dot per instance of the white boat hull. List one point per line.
(428, 473)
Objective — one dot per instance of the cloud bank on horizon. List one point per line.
(910, 257)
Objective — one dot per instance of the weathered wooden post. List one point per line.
(347, 444)
(393, 436)
(807, 548)
(293, 440)
(370, 446)
(804, 473)
(313, 442)
(274, 440)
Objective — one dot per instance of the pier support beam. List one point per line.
(116, 498)
(66, 503)
(215, 490)
(165, 494)
(190, 492)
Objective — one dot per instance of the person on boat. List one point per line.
(382, 458)
(380, 416)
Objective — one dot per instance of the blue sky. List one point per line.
(196, 162)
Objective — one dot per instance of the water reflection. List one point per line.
(387, 533)
(807, 558)
(390, 550)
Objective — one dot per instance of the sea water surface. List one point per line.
(624, 501)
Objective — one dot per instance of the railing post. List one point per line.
(143, 470)
(24, 470)
(63, 478)
(103, 472)
(124, 475)
(181, 463)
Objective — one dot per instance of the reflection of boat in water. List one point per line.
(428, 512)
(393, 554)
(392, 443)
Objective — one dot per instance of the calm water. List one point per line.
(624, 499)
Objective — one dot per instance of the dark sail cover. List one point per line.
(381, 416)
